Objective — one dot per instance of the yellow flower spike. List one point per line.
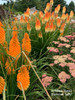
(28, 27)
(51, 27)
(51, 2)
(2, 84)
(23, 78)
(64, 10)
(40, 35)
(48, 6)
(71, 14)
(41, 14)
(63, 17)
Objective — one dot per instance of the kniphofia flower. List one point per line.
(40, 35)
(21, 19)
(2, 84)
(14, 48)
(48, 6)
(15, 19)
(58, 7)
(26, 44)
(63, 17)
(58, 22)
(27, 12)
(51, 27)
(64, 10)
(47, 16)
(35, 13)
(51, 2)
(43, 20)
(38, 24)
(68, 19)
(71, 14)
(26, 19)
(41, 14)
(28, 27)
(23, 78)
(1, 24)
(62, 28)
(47, 27)
(2, 35)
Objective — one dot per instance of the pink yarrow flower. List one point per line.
(63, 76)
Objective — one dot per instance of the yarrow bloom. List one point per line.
(2, 83)
(63, 76)
(72, 50)
(46, 80)
(23, 78)
(52, 49)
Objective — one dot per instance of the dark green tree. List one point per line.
(71, 6)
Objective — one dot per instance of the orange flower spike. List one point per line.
(28, 27)
(26, 19)
(35, 13)
(40, 35)
(58, 22)
(21, 19)
(71, 14)
(51, 27)
(47, 16)
(64, 10)
(15, 19)
(68, 19)
(54, 28)
(38, 24)
(23, 78)
(26, 44)
(58, 7)
(2, 84)
(45, 11)
(66, 15)
(53, 15)
(63, 17)
(43, 20)
(14, 46)
(27, 12)
(2, 35)
(9, 67)
(48, 6)
(56, 10)
(51, 2)
(62, 28)
(41, 14)
(47, 27)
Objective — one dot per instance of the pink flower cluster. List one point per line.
(71, 68)
(69, 37)
(46, 80)
(63, 39)
(73, 44)
(64, 44)
(63, 76)
(52, 49)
